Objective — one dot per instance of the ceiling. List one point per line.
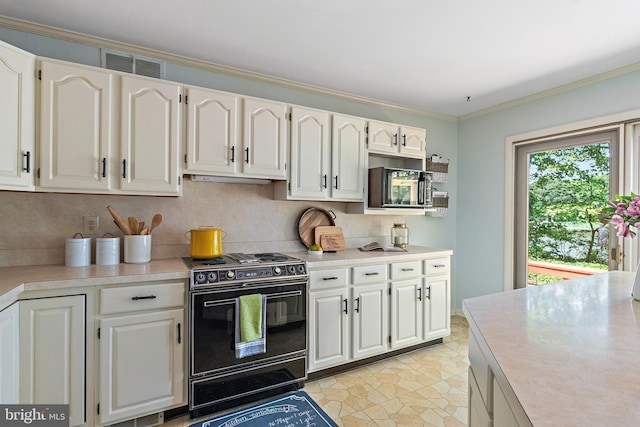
(452, 57)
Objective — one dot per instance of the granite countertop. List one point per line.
(568, 351)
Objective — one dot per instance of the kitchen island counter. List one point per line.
(19, 279)
(566, 353)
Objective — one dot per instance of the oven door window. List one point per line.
(213, 326)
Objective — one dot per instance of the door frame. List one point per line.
(629, 148)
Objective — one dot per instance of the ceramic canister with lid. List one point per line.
(77, 251)
(107, 250)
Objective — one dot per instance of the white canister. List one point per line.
(137, 248)
(107, 251)
(77, 252)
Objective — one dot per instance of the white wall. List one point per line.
(481, 160)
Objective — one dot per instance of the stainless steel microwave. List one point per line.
(400, 188)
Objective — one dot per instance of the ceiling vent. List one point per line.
(133, 64)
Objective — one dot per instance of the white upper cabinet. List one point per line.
(17, 118)
(85, 110)
(77, 128)
(150, 136)
(212, 121)
(310, 153)
(389, 138)
(265, 128)
(327, 157)
(347, 158)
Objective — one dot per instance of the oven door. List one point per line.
(213, 325)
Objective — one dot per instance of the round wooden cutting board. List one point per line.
(309, 220)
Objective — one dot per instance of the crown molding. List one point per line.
(72, 36)
(555, 91)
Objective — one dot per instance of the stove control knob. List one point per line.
(301, 269)
(200, 277)
(212, 276)
(291, 269)
(230, 274)
(277, 271)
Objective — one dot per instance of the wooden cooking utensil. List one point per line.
(140, 227)
(119, 221)
(157, 219)
(144, 231)
(133, 224)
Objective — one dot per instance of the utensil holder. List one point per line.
(77, 252)
(107, 251)
(137, 249)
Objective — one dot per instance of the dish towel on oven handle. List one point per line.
(251, 325)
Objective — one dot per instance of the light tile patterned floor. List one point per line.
(427, 387)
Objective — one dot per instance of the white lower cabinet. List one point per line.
(141, 350)
(347, 322)
(369, 319)
(488, 405)
(478, 415)
(9, 356)
(436, 307)
(328, 332)
(52, 353)
(406, 313)
(362, 310)
(502, 414)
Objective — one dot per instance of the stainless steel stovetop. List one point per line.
(234, 268)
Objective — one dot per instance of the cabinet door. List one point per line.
(437, 320)
(406, 313)
(9, 361)
(310, 133)
(383, 137)
(17, 118)
(502, 414)
(76, 127)
(370, 320)
(150, 136)
(212, 131)
(347, 158)
(265, 139)
(141, 364)
(413, 142)
(477, 414)
(328, 332)
(52, 353)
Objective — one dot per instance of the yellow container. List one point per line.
(205, 242)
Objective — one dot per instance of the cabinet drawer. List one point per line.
(405, 270)
(330, 278)
(437, 265)
(141, 297)
(369, 273)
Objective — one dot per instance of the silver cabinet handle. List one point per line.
(428, 294)
(395, 139)
(419, 294)
(345, 306)
(438, 265)
(357, 307)
(407, 269)
(330, 278)
(375, 273)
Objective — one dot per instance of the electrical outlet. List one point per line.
(90, 225)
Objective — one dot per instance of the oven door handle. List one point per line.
(208, 304)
